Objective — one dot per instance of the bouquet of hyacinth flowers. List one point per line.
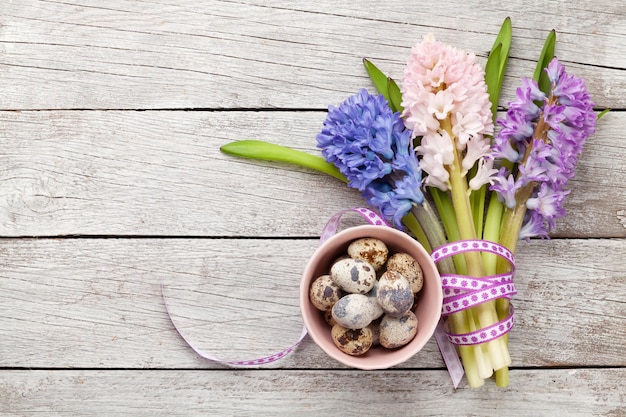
(426, 154)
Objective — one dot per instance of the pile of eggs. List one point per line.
(367, 297)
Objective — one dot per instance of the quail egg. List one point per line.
(355, 311)
(394, 294)
(397, 331)
(370, 250)
(324, 293)
(410, 269)
(353, 275)
(352, 342)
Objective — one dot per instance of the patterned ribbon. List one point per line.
(463, 292)
(330, 229)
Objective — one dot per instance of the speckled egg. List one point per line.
(355, 311)
(394, 294)
(397, 331)
(353, 275)
(352, 342)
(324, 293)
(410, 269)
(370, 250)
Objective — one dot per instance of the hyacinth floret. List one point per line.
(370, 145)
(546, 142)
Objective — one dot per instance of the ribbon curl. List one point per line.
(330, 229)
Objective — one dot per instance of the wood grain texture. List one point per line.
(582, 392)
(251, 54)
(161, 173)
(111, 119)
(96, 303)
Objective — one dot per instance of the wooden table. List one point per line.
(112, 183)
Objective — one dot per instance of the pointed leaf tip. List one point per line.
(378, 78)
(546, 56)
(266, 151)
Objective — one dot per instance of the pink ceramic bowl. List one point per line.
(427, 308)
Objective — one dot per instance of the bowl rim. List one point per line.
(392, 357)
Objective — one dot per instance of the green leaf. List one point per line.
(504, 37)
(265, 151)
(602, 113)
(395, 96)
(378, 78)
(385, 86)
(546, 56)
(497, 62)
(492, 78)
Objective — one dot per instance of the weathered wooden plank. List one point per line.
(576, 392)
(220, 54)
(96, 303)
(161, 173)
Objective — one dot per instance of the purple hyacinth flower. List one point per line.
(555, 132)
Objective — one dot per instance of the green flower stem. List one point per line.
(265, 151)
(459, 322)
(511, 226)
(502, 376)
(509, 235)
(485, 312)
(477, 202)
(427, 218)
(448, 218)
(492, 233)
(493, 224)
(471, 356)
(416, 229)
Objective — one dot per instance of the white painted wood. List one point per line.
(582, 392)
(96, 303)
(161, 173)
(219, 54)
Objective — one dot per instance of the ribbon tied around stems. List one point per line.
(463, 292)
(330, 229)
